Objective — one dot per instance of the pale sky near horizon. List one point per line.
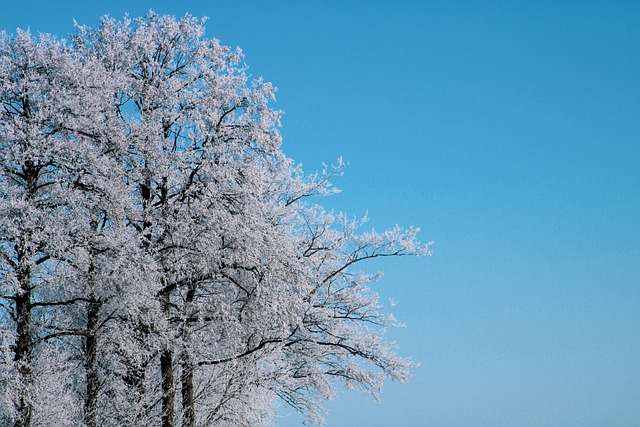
(509, 131)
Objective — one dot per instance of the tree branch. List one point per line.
(241, 355)
(68, 302)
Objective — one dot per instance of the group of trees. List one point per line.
(160, 261)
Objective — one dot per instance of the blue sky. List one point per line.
(510, 133)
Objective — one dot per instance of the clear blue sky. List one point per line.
(510, 132)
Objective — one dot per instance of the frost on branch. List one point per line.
(161, 261)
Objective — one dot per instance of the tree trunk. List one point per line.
(22, 355)
(168, 390)
(188, 404)
(166, 368)
(91, 367)
(23, 345)
(186, 380)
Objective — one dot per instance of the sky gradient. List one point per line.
(510, 133)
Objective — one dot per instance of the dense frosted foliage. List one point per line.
(160, 262)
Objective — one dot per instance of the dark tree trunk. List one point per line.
(186, 380)
(23, 345)
(168, 390)
(188, 404)
(22, 355)
(91, 367)
(166, 369)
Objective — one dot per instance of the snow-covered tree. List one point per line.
(158, 248)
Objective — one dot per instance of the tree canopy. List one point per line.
(161, 261)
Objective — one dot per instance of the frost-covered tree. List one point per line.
(62, 235)
(162, 263)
